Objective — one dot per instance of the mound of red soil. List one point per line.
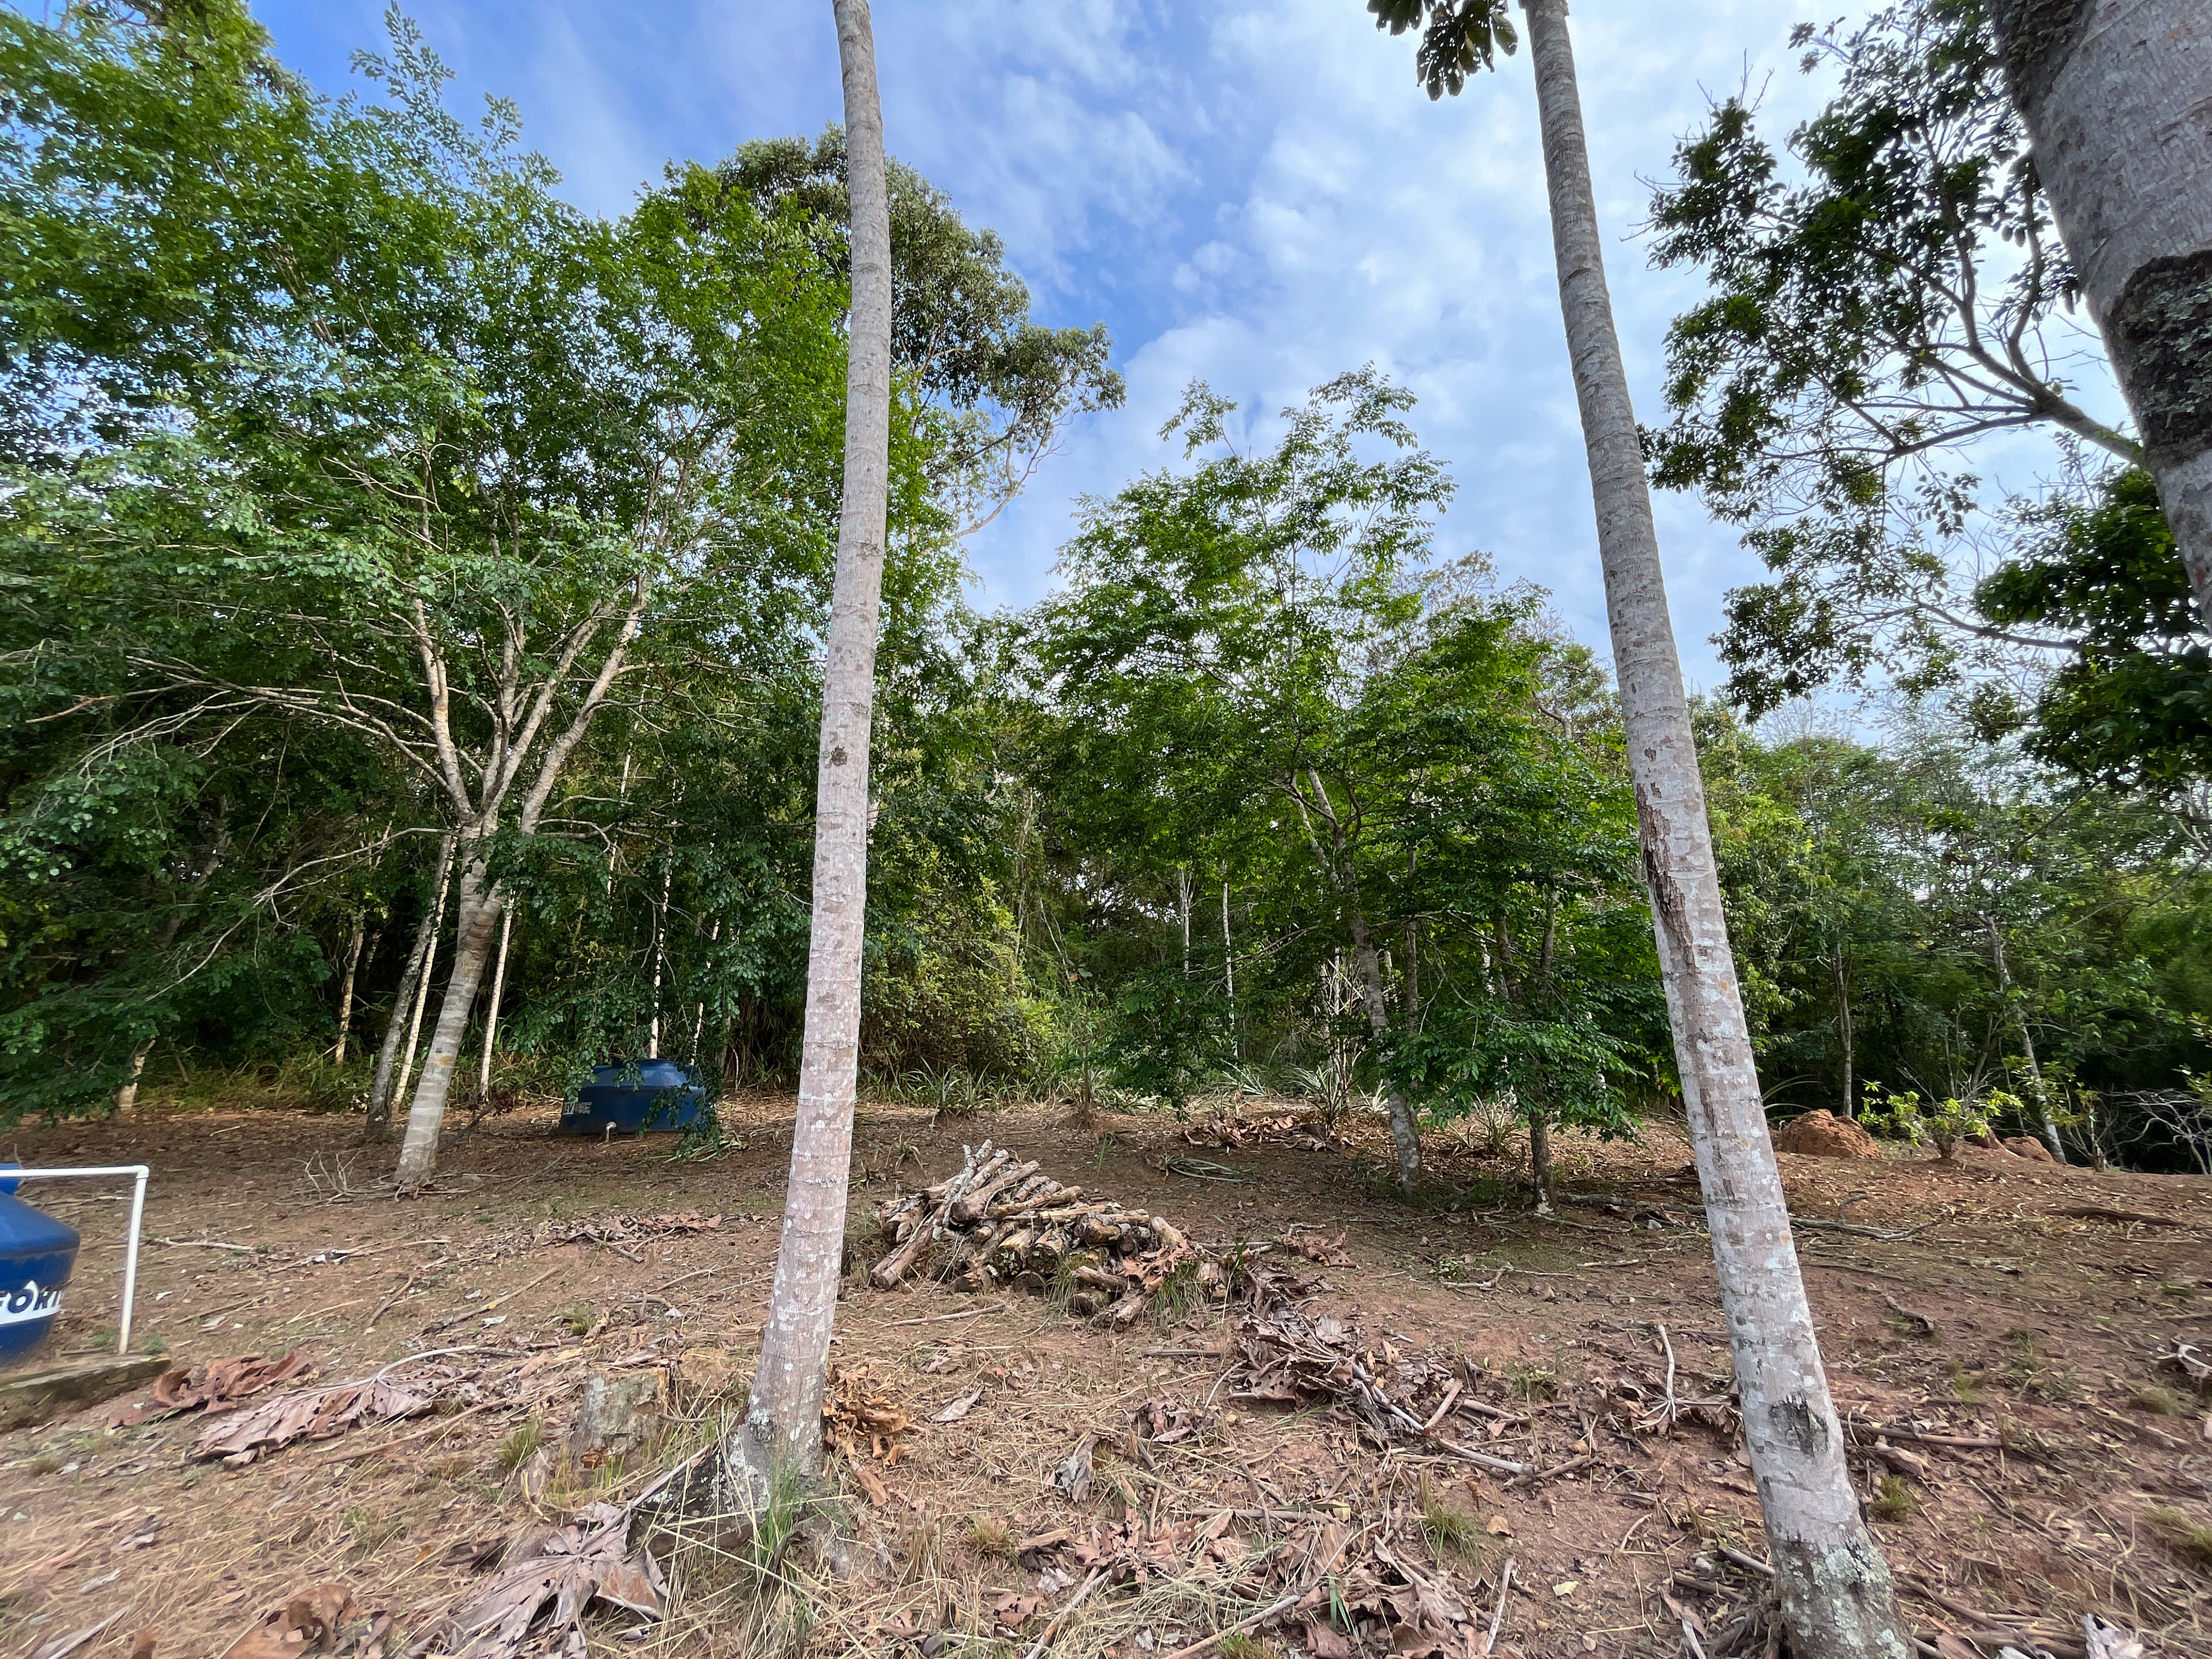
(1823, 1134)
(2029, 1146)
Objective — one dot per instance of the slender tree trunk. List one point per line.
(1845, 1035)
(1182, 902)
(491, 1014)
(422, 994)
(479, 909)
(783, 1422)
(1540, 1152)
(1835, 1587)
(1367, 967)
(2046, 1122)
(381, 1088)
(2114, 93)
(659, 960)
(1229, 969)
(345, 990)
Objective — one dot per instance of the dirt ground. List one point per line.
(2026, 1312)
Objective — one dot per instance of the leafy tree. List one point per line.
(1902, 296)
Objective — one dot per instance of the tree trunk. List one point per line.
(345, 990)
(1540, 1153)
(1229, 970)
(2114, 93)
(659, 959)
(2044, 1121)
(479, 909)
(1405, 1133)
(1835, 1587)
(1843, 1033)
(491, 1012)
(783, 1422)
(380, 1088)
(421, 995)
(1182, 902)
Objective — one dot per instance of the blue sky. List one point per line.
(1254, 191)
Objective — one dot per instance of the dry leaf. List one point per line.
(313, 1415)
(1499, 1526)
(305, 1622)
(583, 1563)
(958, 1409)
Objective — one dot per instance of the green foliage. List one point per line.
(1874, 309)
(1170, 1036)
(340, 454)
(2132, 705)
(1943, 1126)
(1458, 37)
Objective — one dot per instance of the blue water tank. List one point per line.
(36, 1255)
(664, 1095)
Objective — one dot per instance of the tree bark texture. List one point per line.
(1367, 966)
(2116, 95)
(491, 1010)
(345, 990)
(382, 1084)
(1835, 1586)
(784, 1415)
(478, 907)
(421, 994)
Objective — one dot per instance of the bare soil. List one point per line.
(2027, 1312)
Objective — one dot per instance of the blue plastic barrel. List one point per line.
(36, 1255)
(664, 1095)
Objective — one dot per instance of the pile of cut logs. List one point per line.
(1003, 1221)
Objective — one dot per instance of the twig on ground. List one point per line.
(1497, 1613)
(333, 1258)
(1748, 1563)
(1073, 1602)
(939, 1319)
(1927, 1325)
(1257, 1619)
(685, 1279)
(208, 1244)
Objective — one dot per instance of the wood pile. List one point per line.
(1000, 1220)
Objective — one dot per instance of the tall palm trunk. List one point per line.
(478, 907)
(2114, 93)
(1835, 1586)
(783, 1421)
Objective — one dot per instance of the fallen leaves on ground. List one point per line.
(858, 1419)
(213, 1385)
(957, 1409)
(586, 1563)
(320, 1618)
(1164, 1422)
(316, 1414)
(1342, 1589)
